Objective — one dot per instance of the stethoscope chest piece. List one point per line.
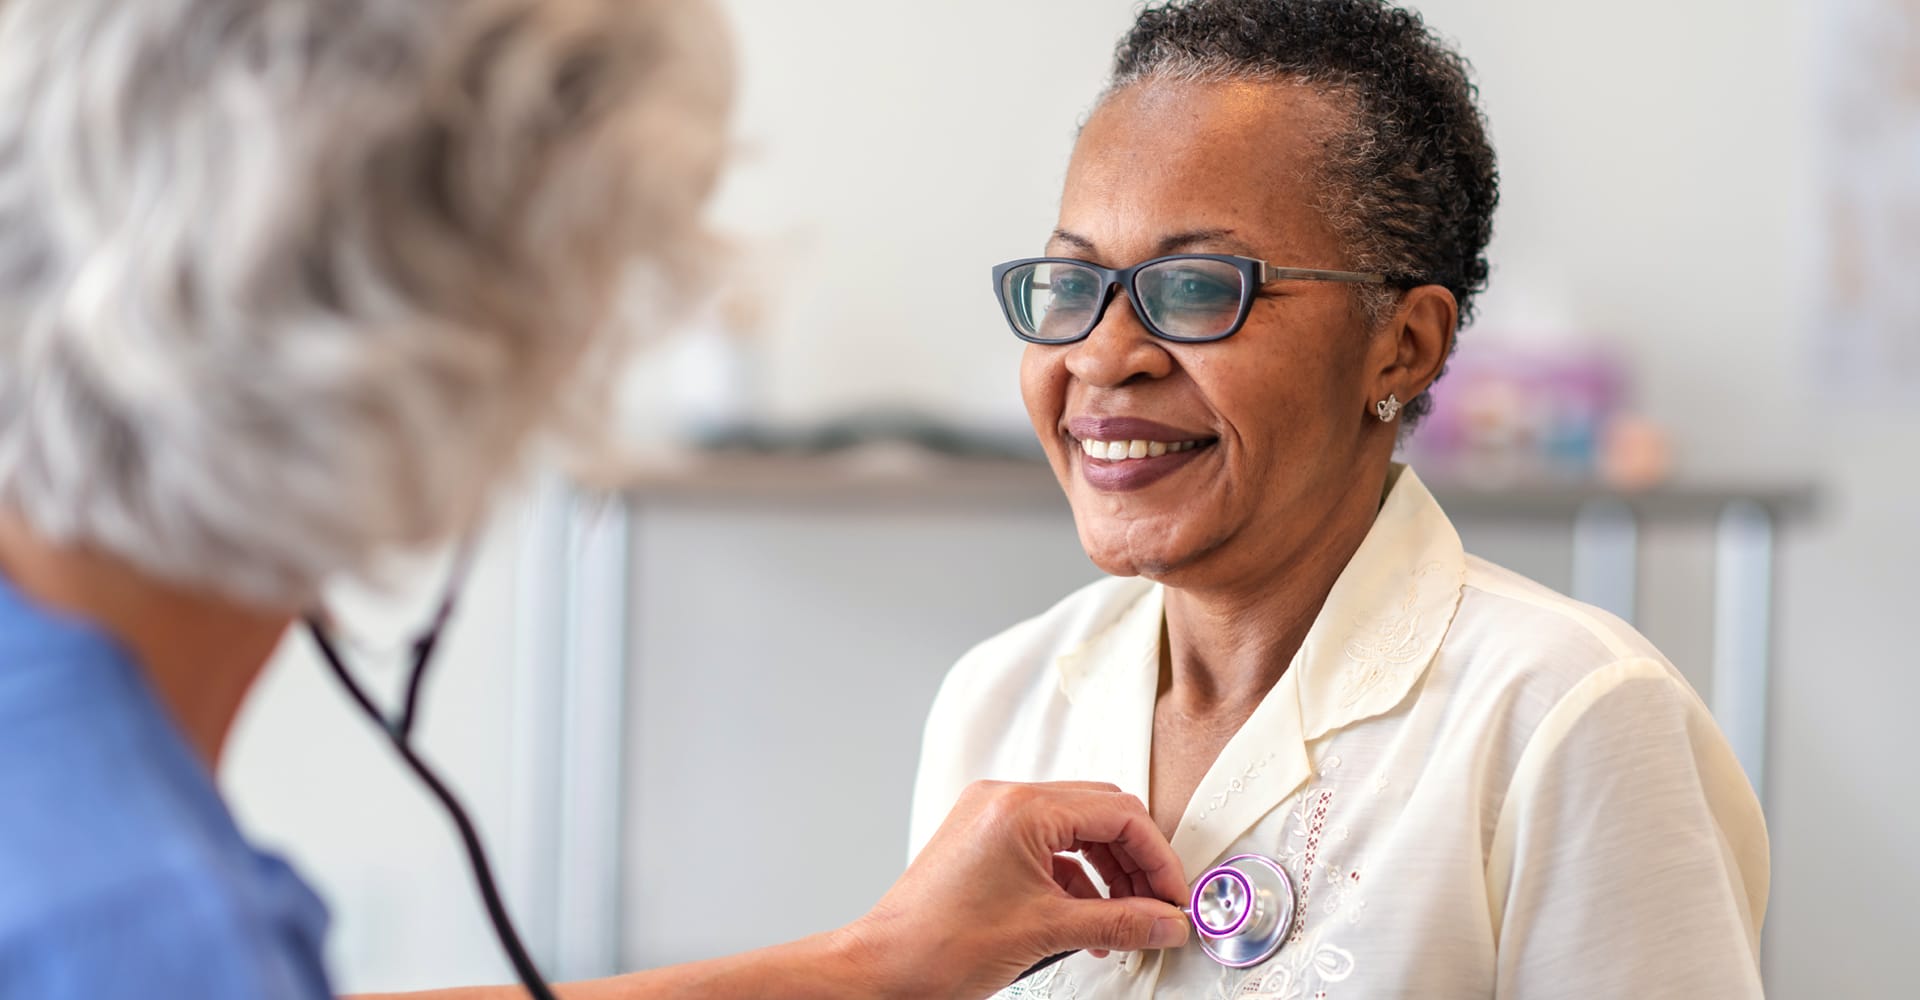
(1243, 910)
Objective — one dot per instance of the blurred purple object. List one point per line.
(1506, 413)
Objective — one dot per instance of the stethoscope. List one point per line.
(1242, 910)
(399, 731)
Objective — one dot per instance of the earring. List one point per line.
(1387, 408)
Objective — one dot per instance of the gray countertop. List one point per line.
(882, 476)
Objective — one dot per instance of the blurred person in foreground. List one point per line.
(1274, 222)
(290, 285)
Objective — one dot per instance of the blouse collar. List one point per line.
(1381, 625)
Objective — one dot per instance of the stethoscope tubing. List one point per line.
(399, 732)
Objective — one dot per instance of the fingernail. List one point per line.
(1167, 932)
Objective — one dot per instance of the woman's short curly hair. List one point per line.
(1410, 185)
(286, 285)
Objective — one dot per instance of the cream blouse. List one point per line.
(1479, 787)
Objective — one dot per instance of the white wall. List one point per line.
(890, 154)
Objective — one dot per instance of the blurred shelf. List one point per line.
(1680, 500)
(867, 476)
(887, 475)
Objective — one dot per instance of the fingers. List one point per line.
(1083, 786)
(1110, 826)
(988, 786)
(1133, 924)
(1113, 871)
(1100, 857)
(1140, 855)
(1071, 873)
(1072, 876)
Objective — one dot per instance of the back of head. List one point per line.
(285, 284)
(1410, 184)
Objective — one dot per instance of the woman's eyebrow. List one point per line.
(1209, 239)
(1073, 241)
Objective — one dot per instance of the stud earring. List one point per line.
(1388, 408)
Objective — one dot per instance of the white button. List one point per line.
(1131, 966)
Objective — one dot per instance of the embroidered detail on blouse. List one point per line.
(1332, 964)
(1271, 982)
(1234, 787)
(1343, 893)
(1305, 975)
(1384, 643)
(1051, 983)
(1310, 829)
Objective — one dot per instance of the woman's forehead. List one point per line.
(1161, 161)
(1215, 239)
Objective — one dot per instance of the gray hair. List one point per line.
(286, 285)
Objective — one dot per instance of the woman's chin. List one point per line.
(1157, 561)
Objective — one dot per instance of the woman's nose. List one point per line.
(1119, 350)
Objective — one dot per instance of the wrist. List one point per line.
(863, 961)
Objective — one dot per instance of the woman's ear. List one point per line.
(1421, 331)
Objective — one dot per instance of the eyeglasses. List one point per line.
(1189, 298)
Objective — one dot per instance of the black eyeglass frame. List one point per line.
(1254, 275)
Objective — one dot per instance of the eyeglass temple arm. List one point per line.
(1269, 273)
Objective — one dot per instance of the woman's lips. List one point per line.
(1122, 454)
(1129, 429)
(1128, 474)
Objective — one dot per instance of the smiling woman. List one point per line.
(1274, 223)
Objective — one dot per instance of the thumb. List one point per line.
(1133, 923)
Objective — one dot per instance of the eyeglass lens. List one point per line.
(1183, 298)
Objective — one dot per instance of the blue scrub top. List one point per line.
(122, 875)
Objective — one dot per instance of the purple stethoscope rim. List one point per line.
(1246, 912)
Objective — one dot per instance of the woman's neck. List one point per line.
(1226, 645)
(200, 652)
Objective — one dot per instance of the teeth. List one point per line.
(1116, 451)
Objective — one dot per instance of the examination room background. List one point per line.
(1667, 167)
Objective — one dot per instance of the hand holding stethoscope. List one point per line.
(1242, 910)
